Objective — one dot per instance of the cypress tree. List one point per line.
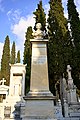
(5, 69)
(59, 42)
(13, 56)
(0, 75)
(27, 56)
(40, 16)
(73, 18)
(18, 57)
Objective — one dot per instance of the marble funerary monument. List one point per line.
(39, 101)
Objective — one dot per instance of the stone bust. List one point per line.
(38, 34)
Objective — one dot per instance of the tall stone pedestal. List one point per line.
(39, 68)
(39, 101)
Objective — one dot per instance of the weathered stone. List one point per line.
(39, 101)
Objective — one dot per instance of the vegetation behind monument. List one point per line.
(13, 57)
(7, 58)
(18, 57)
(27, 56)
(59, 46)
(74, 20)
(5, 71)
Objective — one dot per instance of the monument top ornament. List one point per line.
(38, 34)
(69, 71)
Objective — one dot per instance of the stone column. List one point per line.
(39, 69)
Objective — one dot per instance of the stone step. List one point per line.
(74, 118)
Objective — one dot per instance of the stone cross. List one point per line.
(38, 34)
(3, 81)
(69, 72)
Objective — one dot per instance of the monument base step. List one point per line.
(38, 118)
(69, 118)
(38, 109)
(46, 95)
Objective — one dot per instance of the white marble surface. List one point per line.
(39, 69)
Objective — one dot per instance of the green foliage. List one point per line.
(13, 56)
(40, 16)
(18, 57)
(59, 46)
(5, 69)
(78, 92)
(27, 55)
(0, 75)
(73, 18)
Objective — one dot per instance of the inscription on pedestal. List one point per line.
(39, 59)
(39, 45)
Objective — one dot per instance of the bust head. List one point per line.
(38, 34)
(38, 25)
(68, 67)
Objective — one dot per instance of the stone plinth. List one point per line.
(39, 107)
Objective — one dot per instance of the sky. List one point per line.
(16, 16)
